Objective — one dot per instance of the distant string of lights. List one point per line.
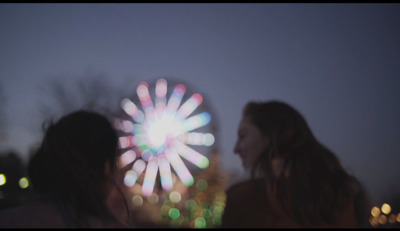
(159, 136)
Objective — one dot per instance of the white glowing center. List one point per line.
(158, 132)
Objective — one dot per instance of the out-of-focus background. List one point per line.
(338, 64)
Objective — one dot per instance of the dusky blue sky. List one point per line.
(338, 64)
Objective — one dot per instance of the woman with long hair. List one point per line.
(296, 181)
(74, 174)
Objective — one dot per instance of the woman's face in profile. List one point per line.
(250, 142)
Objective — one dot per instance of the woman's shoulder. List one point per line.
(247, 206)
(243, 191)
(34, 214)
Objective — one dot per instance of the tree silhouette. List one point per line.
(91, 91)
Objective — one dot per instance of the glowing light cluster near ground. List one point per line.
(161, 134)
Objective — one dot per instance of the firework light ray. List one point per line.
(150, 177)
(180, 167)
(191, 155)
(165, 173)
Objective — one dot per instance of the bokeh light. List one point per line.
(23, 183)
(137, 200)
(157, 137)
(3, 179)
(386, 209)
(174, 213)
(375, 211)
(392, 218)
(382, 219)
(175, 197)
(153, 198)
(383, 216)
(201, 185)
(200, 222)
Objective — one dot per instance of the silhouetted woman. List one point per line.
(296, 181)
(74, 173)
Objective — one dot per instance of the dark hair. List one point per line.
(71, 161)
(317, 186)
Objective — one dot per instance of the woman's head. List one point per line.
(301, 174)
(75, 160)
(251, 142)
(273, 130)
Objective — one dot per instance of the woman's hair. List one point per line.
(317, 186)
(71, 164)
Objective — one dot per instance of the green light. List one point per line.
(201, 185)
(216, 220)
(218, 209)
(207, 213)
(3, 179)
(190, 204)
(204, 163)
(200, 222)
(174, 213)
(177, 223)
(23, 182)
(189, 183)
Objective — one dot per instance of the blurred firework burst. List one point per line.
(158, 136)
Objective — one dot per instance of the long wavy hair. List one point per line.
(317, 186)
(71, 164)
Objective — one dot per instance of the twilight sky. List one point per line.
(338, 64)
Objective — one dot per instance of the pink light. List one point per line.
(145, 99)
(161, 136)
(127, 158)
(161, 92)
(126, 141)
(131, 109)
(179, 167)
(196, 121)
(149, 179)
(165, 173)
(189, 106)
(139, 166)
(192, 156)
(161, 88)
(176, 98)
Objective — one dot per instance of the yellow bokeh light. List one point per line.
(165, 209)
(375, 211)
(382, 219)
(392, 218)
(373, 221)
(137, 200)
(386, 209)
(153, 198)
(175, 197)
(3, 179)
(23, 183)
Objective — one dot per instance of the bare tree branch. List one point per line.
(92, 92)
